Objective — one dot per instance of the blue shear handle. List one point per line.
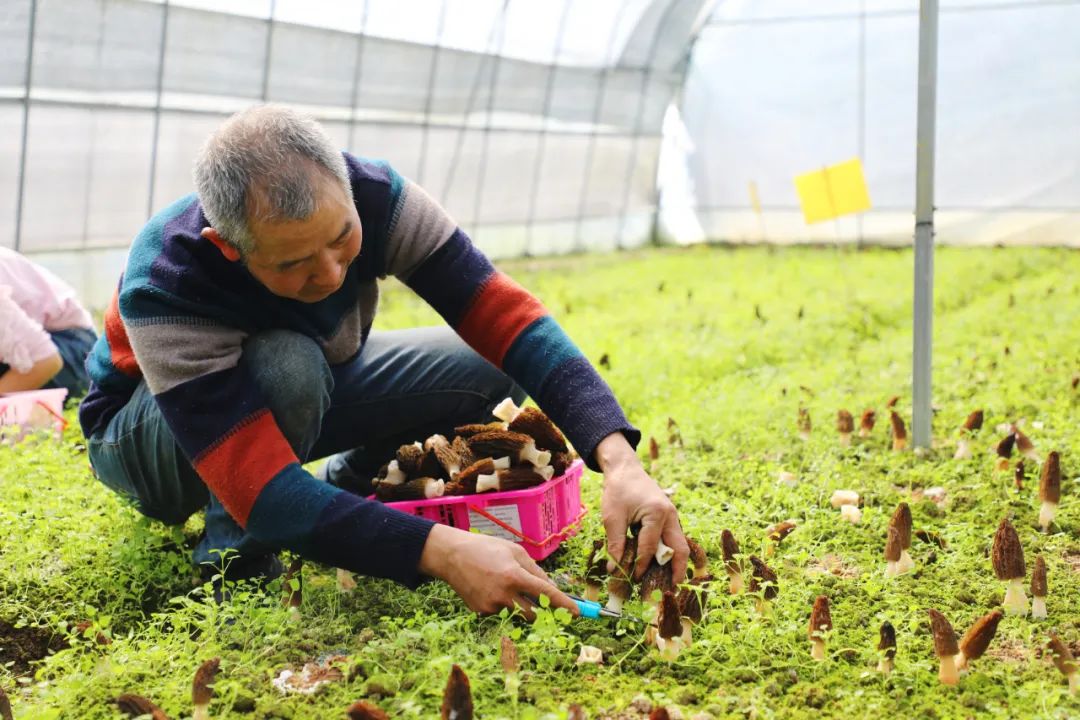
(588, 608)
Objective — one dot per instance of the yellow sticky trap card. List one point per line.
(833, 191)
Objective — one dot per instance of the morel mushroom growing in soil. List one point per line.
(619, 583)
(595, 569)
(138, 706)
(1008, 558)
(845, 425)
(730, 549)
(1049, 489)
(1004, 451)
(1038, 589)
(1025, 446)
(504, 443)
(5, 706)
(820, 624)
(887, 647)
(764, 581)
(892, 553)
(945, 648)
(202, 688)
(363, 710)
(1065, 663)
(508, 658)
(972, 425)
(978, 638)
(901, 520)
(457, 701)
(866, 423)
(804, 424)
(776, 533)
(899, 432)
(672, 635)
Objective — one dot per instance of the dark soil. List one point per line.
(24, 646)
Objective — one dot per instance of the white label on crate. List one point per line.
(505, 513)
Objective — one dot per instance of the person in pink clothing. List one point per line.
(45, 333)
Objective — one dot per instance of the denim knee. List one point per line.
(294, 378)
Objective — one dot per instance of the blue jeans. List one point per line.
(403, 386)
(73, 344)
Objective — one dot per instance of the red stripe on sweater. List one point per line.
(499, 313)
(240, 466)
(121, 354)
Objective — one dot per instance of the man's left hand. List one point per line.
(630, 496)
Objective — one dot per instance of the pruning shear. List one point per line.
(589, 609)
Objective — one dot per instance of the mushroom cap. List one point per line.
(560, 462)
(887, 639)
(698, 558)
(899, 430)
(979, 635)
(944, 635)
(619, 581)
(781, 530)
(136, 705)
(596, 565)
(519, 478)
(461, 446)
(1023, 442)
(892, 402)
(467, 431)
(669, 624)
(363, 710)
(534, 423)
(202, 687)
(457, 697)
(1005, 446)
(693, 596)
(409, 458)
(867, 420)
(845, 423)
(729, 546)
(656, 577)
(901, 520)
(1050, 479)
(820, 618)
(654, 449)
(5, 706)
(763, 577)
(1007, 554)
(892, 545)
(498, 443)
(1062, 656)
(466, 479)
(974, 421)
(1038, 578)
(804, 420)
(508, 655)
(659, 713)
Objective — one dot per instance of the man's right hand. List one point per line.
(488, 573)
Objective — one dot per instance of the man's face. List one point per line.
(306, 260)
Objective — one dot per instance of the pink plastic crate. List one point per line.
(539, 518)
(23, 412)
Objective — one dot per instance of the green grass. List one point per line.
(832, 329)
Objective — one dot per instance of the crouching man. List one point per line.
(239, 346)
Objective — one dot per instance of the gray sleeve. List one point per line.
(419, 227)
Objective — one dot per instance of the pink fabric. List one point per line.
(33, 302)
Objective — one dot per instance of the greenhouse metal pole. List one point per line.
(28, 82)
(924, 223)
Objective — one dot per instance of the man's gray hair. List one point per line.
(264, 164)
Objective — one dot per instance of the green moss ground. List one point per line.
(832, 329)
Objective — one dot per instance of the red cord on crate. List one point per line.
(63, 422)
(561, 534)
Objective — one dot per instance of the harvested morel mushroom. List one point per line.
(1065, 663)
(804, 424)
(538, 426)
(1049, 489)
(136, 706)
(506, 411)
(390, 474)
(457, 697)
(423, 488)
(866, 423)
(202, 688)
(447, 457)
(560, 462)
(1004, 451)
(409, 459)
(730, 549)
(845, 425)
(899, 432)
(820, 624)
(977, 638)
(517, 446)
(619, 583)
(514, 478)
(1008, 558)
(764, 581)
(467, 431)
(901, 520)
(945, 648)
(886, 647)
(1038, 589)
(363, 710)
(972, 425)
(672, 635)
(465, 482)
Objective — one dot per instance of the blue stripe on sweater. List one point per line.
(288, 509)
(537, 351)
(196, 415)
(451, 277)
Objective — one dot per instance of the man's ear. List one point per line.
(231, 254)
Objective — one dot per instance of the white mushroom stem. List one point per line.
(905, 564)
(845, 439)
(1015, 598)
(947, 671)
(885, 665)
(736, 585)
(1003, 464)
(804, 435)
(487, 482)
(851, 513)
(506, 411)
(502, 463)
(1038, 608)
(592, 592)
(1046, 514)
(1074, 683)
(547, 472)
(671, 647)
(663, 553)
(615, 603)
(961, 661)
(591, 655)
(345, 581)
(892, 569)
(844, 497)
(817, 648)
(538, 458)
(434, 489)
(202, 712)
(394, 474)
(763, 607)
(963, 450)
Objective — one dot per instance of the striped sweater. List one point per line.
(182, 311)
